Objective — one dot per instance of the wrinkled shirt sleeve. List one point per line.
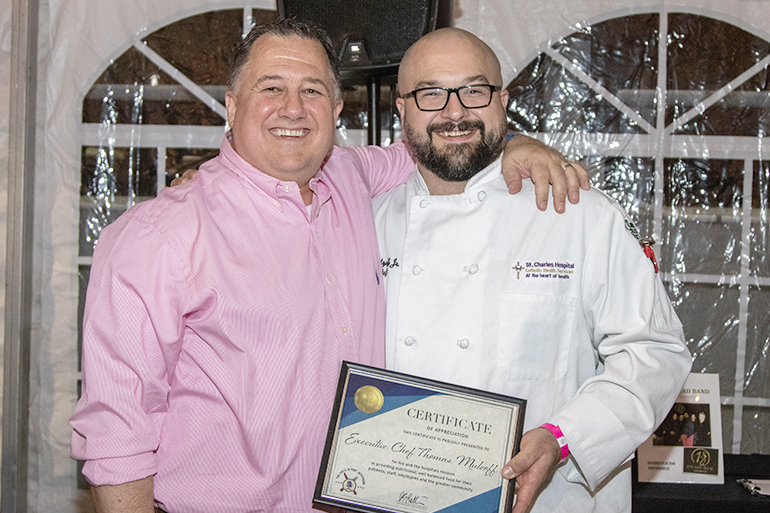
(383, 168)
(132, 335)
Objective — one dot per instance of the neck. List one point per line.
(306, 193)
(439, 187)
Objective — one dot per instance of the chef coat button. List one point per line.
(409, 341)
(416, 270)
(424, 203)
(482, 195)
(471, 269)
(463, 343)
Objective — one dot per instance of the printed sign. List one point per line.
(687, 447)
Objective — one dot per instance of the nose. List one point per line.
(293, 106)
(454, 109)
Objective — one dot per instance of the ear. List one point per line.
(400, 105)
(230, 105)
(337, 110)
(504, 97)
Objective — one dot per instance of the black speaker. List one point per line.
(371, 36)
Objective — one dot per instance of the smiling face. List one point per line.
(455, 143)
(283, 109)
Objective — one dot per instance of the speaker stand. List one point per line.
(374, 130)
(373, 78)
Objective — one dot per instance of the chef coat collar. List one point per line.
(486, 175)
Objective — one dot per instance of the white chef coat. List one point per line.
(563, 310)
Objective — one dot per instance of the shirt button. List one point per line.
(329, 278)
(409, 341)
(287, 188)
(278, 204)
(345, 330)
(463, 343)
(471, 269)
(416, 270)
(482, 195)
(424, 203)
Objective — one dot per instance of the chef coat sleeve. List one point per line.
(640, 348)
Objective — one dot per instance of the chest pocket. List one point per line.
(534, 339)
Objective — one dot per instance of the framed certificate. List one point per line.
(404, 444)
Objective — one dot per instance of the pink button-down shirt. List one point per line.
(216, 320)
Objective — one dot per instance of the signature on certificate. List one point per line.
(411, 499)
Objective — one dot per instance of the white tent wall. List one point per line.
(5, 99)
(77, 41)
(514, 29)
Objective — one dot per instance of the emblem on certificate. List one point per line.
(404, 444)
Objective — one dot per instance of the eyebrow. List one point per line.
(475, 79)
(316, 81)
(264, 78)
(307, 80)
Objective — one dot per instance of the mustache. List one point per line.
(448, 126)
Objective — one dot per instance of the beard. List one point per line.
(456, 162)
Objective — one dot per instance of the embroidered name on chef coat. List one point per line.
(388, 264)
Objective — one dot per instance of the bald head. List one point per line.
(454, 142)
(444, 50)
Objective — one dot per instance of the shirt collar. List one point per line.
(273, 187)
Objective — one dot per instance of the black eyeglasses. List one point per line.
(473, 96)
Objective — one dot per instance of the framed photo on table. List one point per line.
(405, 444)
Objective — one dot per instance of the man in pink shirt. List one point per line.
(218, 314)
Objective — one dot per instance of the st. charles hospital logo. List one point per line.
(350, 481)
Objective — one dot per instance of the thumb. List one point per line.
(513, 178)
(518, 465)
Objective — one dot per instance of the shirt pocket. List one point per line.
(534, 339)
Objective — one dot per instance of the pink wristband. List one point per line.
(563, 447)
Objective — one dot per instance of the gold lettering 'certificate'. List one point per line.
(405, 444)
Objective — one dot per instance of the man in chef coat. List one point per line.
(565, 311)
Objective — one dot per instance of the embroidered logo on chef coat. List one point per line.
(631, 227)
(645, 242)
(387, 265)
(544, 270)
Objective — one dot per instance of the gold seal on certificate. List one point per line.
(404, 444)
(368, 399)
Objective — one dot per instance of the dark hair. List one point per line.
(287, 27)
